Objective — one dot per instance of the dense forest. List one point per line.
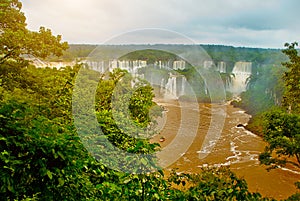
(43, 153)
(216, 52)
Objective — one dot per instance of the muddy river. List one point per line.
(213, 136)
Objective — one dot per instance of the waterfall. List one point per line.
(175, 86)
(95, 65)
(162, 86)
(205, 88)
(179, 65)
(162, 64)
(208, 64)
(131, 66)
(171, 88)
(221, 67)
(183, 86)
(113, 64)
(241, 72)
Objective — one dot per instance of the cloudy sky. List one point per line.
(251, 23)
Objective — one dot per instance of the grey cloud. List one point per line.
(252, 23)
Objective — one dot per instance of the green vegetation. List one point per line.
(281, 131)
(150, 56)
(258, 56)
(291, 98)
(42, 156)
(281, 126)
(17, 40)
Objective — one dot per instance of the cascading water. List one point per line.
(162, 86)
(171, 88)
(241, 72)
(103, 66)
(221, 67)
(99, 66)
(179, 65)
(175, 87)
(208, 64)
(183, 86)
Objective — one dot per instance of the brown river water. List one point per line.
(235, 146)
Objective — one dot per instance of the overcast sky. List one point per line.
(251, 23)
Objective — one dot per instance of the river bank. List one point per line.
(236, 147)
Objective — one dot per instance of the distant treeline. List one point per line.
(229, 54)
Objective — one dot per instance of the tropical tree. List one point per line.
(282, 132)
(16, 40)
(291, 78)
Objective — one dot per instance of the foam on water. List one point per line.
(289, 170)
(205, 150)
